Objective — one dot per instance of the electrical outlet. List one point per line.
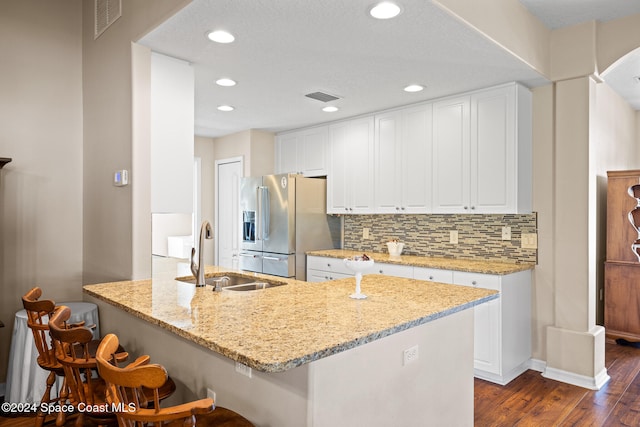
(365, 233)
(410, 355)
(506, 233)
(243, 369)
(453, 237)
(529, 241)
(211, 394)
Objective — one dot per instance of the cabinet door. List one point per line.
(416, 156)
(487, 344)
(493, 151)
(451, 156)
(287, 146)
(338, 179)
(312, 151)
(388, 165)
(360, 165)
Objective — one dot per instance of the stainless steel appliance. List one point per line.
(283, 217)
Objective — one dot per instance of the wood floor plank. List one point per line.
(627, 410)
(623, 367)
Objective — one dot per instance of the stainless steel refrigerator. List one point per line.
(283, 217)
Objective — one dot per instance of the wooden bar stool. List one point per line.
(123, 390)
(38, 312)
(75, 350)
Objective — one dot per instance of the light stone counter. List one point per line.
(277, 329)
(474, 266)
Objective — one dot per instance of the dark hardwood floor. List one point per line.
(531, 400)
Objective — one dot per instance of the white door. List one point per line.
(228, 174)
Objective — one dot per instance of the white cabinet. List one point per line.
(321, 269)
(350, 178)
(482, 152)
(433, 274)
(403, 160)
(396, 270)
(303, 151)
(451, 160)
(502, 337)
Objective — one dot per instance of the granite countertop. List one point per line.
(474, 266)
(280, 328)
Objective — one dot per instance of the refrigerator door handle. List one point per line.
(272, 258)
(265, 208)
(242, 254)
(258, 230)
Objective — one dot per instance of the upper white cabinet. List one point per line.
(350, 176)
(482, 152)
(303, 152)
(464, 154)
(403, 160)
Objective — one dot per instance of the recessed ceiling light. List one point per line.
(385, 10)
(221, 36)
(225, 108)
(330, 109)
(225, 82)
(413, 88)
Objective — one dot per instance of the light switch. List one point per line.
(453, 237)
(365, 233)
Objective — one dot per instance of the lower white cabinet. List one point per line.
(502, 337)
(433, 274)
(321, 269)
(396, 270)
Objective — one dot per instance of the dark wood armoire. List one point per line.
(622, 268)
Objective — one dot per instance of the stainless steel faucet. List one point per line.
(198, 269)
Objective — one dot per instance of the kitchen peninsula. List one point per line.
(402, 356)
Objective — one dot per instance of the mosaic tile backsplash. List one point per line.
(479, 236)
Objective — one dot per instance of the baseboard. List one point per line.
(503, 379)
(592, 383)
(537, 365)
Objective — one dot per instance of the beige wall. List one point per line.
(255, 146)
(107, 104)
(41, 129)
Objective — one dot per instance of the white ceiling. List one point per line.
(285, 49)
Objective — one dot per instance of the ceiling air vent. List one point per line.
(321, 96)
(106, 13)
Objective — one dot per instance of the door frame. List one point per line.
(218, 163)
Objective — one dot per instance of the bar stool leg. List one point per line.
(62, 399)
(46, 398)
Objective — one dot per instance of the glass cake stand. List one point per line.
(358, 266)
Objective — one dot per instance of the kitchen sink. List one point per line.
(254, 286)
(236, 283)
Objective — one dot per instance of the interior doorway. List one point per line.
(228, 174)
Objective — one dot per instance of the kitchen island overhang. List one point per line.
(341, 353)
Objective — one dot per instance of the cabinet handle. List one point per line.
(473, 207)
(402, 208)
(474, 283)
(381, 272)
(346, 209)
(430, 277)
(466, 207)
(328, 265)
(397, 208)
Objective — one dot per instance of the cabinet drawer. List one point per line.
(334, 265)
(392, 270)
(487, 281)
(433, 274)
(323, 276)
